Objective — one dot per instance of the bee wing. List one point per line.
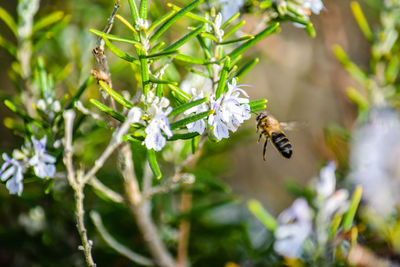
(292, 125)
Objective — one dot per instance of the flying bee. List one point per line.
(271, 129)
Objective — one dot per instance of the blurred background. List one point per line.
(299, 76)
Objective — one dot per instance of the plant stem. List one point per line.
(141, 211)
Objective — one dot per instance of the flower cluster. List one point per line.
(298, 223)
(156, 117)
(230, 110)
(31, 155)
(375, 154)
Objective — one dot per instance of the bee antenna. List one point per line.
(255, 113)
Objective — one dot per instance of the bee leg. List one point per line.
(265, 148)
(261, 134)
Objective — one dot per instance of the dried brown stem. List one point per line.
(141, 210)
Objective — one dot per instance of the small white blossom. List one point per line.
(14, 169)
(374, 160)
(158, 112)
(230, 8)
(330, 201)
(217, 27)
(135, 115)
(42, 162)
(295, 226)
(231, 110)
(327, 183)
(200, 125)
(141, 24)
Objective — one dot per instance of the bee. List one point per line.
(271, 129)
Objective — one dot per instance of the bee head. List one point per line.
(260, 116)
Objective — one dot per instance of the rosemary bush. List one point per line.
(142, 126)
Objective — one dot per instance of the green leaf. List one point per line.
(223, 78)
(9, 21)
(258, 108)
(134, 11)
(48, 20)
(51, 32)
(233, 41)
(184, 136)
(180, 92)
(230, 20)
(119, 98)
(263, 215)
(156, 47)
(352, 68)
(190, 59)
(311, 30)
(118, 52)
(266, 4)
(234, 29)
(151, 156)
(361, 20)
(209, 36)
(109, 111)
(42, 78)
(184, 107)
(162, 19)
(351, 213)
(355, 96)
(80, 91)
(258, 102)
(173, 19)
(114, 37)
(392, 69)
(190, 119)
(246, 68)
(18, 111)
(190, 14)
(143, 9)
(162, 54)
(8, 46)
(153, 79)
(185, 39)
(242, 48)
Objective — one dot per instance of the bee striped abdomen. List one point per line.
(282, 144)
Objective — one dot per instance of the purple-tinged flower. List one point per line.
(231, 110)
(295, 226)
(42, 162)
(14, 169)
(158, 112)
(200, 125)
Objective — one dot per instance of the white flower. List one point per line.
(200, 125)
(158, 122)
(231, 110)
(230, 8)
(315, 5)
(327, 183)
(307, 6)
(42, 162)
(295, 227)
(374, 160)
(135, 115)
(14, 169)
(329, 201)
(217, 27)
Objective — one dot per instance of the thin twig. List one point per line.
(121, 249)
(184, 230)
(141, 210)
(115, 142)
(106, 191)
(78, 186)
